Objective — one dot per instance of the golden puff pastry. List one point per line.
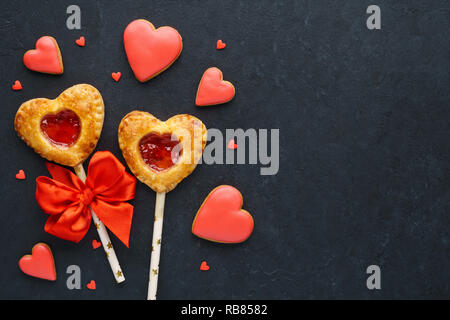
(189, 133)
(85, 102)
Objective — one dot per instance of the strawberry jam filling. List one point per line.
(160, 152)
(61, 129)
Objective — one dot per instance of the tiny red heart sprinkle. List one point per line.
(17, 86)
(232, 144)
(20, 175)
(96, 244)
(220, 45)
(116, 76)
(204, 266)
(81, 41)
(91, 285)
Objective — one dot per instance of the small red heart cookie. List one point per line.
(40, 263)
(220, 45)
(91, 285)
(213, 89)
(81, 41)
(46, 58)
(204, 266)
(221, 218)
(150, 51)
(17, 86)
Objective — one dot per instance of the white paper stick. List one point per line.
(156, 246)
(104, 237)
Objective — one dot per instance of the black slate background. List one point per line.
(364, 149)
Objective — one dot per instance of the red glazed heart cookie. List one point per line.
(221, 218)
(161, 154)
(150, 51)
(64, 130)
(213, 89)
(46, 58)
(40, 263)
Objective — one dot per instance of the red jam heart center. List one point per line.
(160, 152)
(61, 129)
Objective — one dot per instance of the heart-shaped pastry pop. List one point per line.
(161, 154)
(150, 51)
(46, 58)
(64, 130)
(221, 218)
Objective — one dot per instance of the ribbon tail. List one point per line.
(116, 216)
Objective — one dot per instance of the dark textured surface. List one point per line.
(364, 155)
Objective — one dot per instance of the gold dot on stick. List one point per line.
(158, 241)
(155, 272)
(119, 273)
(109, 245)
(107, 254)
(97, 226)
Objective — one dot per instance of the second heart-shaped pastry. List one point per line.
(64, 130)
(150, 51)
(161, 154)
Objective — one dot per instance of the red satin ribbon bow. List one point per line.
(67, 199)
